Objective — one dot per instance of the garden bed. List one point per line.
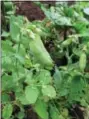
(45, 64)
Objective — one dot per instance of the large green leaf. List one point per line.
(5, 98)
(7, 46)
(77, 87)
(20, 96)
(61, 82)
(7, 83)
(49, 91)
(7, 111)
(41, 109)
(14, 29)
(31, 94)
(7, 63)
(16, 23)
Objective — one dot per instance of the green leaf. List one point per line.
(29, 78)
(19, 58)
(64, 21)
(19, 74)
(41, 109)
(83, 102)
(7, 46)
(54, 113)
(21, 97)
(44, 77)
(61, 82)
(6, 81)
(80, 27)
(25, 41)
(7, 63)
(16, 23)
(57, 78)
(49, 91)
(5, 98)
(77, 88)
(21, 115)
(31, 94)
(14, 28)
(7, 111)
(20, 49)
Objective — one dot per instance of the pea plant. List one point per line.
(45, 64)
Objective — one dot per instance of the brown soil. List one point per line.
(31, 114)
(30, 10)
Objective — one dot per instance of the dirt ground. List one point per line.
(30, 10)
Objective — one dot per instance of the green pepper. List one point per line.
(39, 31)
(67, 42)
(82, 61)
(40, 53)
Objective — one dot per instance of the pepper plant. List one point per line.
(30, 74)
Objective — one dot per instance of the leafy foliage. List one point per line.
(30, 73)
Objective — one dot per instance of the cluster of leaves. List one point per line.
(27, 77)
